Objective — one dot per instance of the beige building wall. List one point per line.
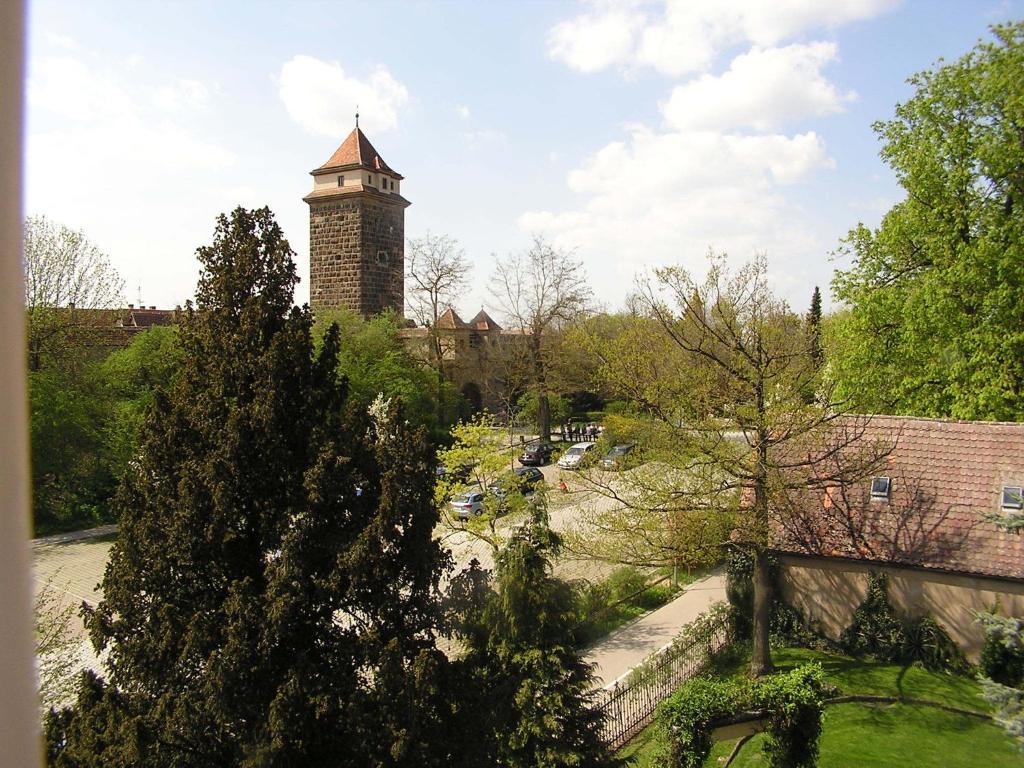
(828, 591)
(353, 178)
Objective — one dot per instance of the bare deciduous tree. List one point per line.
(437, 271)
(64, 275)
(727, 452)
(541, 292)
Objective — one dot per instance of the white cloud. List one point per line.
(661, 198)
(677, 37)
(592, 42)
(762, 89)
(322, 98)
(462, 111)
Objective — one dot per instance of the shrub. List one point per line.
(794, 701)
(791, 702)
(929, 645)
(879, 632)
(1002, 656)
(626, 582)
(876, 630)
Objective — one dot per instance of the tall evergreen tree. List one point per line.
(522, 659)
(270, 599)
(814, 328)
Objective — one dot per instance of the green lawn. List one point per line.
(880, 734)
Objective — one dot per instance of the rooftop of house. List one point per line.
(929, 502)
(356, 151)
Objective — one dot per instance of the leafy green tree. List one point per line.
(936, 316)
(724, 466)
(375, 360)
(271, 597)
(520, 649)
(529, 409)
(132, 377)
(477, 460)
(72, 478)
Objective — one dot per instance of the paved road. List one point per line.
(618, 653)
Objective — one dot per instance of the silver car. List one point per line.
(467, 505)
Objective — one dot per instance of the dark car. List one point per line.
(460, 474)
(615, 458)
(536, 455)
(523, 478)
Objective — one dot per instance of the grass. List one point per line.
(875, 735)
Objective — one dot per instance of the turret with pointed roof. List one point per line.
(357, 231)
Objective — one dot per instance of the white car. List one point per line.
(572, 457)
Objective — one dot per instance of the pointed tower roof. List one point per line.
(484, 322)
(356, 151)
(449, 320)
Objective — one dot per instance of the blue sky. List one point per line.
(637, 133)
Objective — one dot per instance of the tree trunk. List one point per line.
(544, 416)
(540, 375)
(761, 655)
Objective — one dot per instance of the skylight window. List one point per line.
(1013, 497)
(880, 488)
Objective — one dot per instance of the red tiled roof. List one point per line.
(450, 320)
(483, 322)
(946, 479)
(356, 150)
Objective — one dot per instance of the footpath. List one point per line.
(625, 648)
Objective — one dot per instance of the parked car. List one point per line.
(616, 457)
(536, 455)
(523, 478)
(460, 474)
(571, 458)
(467, 505)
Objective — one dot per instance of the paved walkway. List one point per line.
(624, 649)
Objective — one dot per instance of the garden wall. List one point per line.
(828, 591)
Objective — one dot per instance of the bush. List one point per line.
(1002, 656)
(879, 632)
(876, 630)
(625, 582)
(792, 703)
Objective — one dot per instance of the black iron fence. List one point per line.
(628, 704)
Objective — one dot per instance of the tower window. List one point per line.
(392, 185)
(341, 181)
(382, 257)
(369, 179)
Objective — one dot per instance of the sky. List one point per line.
(633, 133)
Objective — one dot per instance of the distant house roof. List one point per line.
(945, 480)
(484, 322)
(147, 317)
(356, 151)
(450, 320)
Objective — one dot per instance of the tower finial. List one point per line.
(357, 115)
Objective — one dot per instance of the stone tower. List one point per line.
(357, 231)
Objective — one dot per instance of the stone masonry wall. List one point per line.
(383, 247)
(357, 254)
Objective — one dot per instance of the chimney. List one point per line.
(131, 306)
(71, 305)
(153, 306)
